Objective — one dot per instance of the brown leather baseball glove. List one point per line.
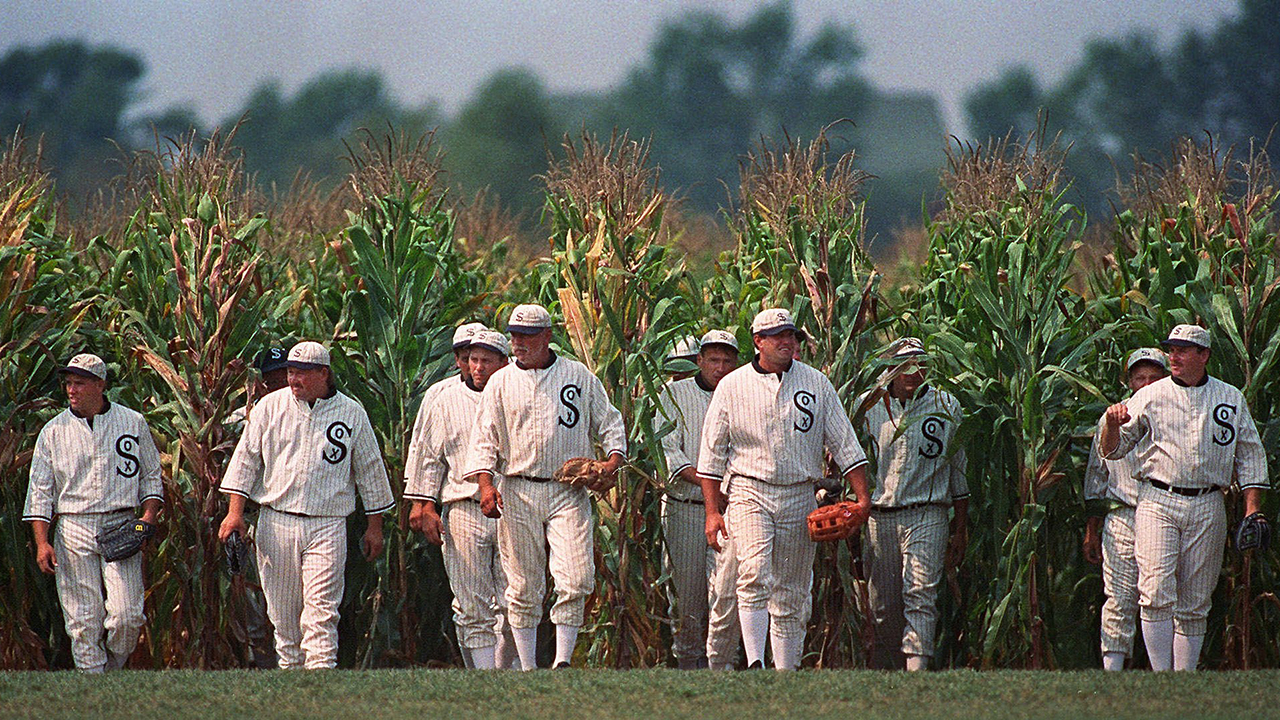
(584, 472)
(837, 521)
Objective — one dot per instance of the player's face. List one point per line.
(715, 362)
(1143, 374)
(275, 379)
(84, 394)
(484, 363)
(460, 359)
(309, 384)
(911, 379)
(777, 350)
(1186, 363)
(531, 349)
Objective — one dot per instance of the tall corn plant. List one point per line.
(406, 288)
(617, 283)
(800, 230)
(1196, 243)
(1012, 339)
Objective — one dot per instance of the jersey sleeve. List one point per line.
(673, 449)
(713, 456)
(838, 434)
(485, 437)
(1096, 476)
(245, 468)
(151, 486)
(1251, 458)
(607, 420)
(413, 462)
(1131, 432)
(369, 471)
(432, 468)
(39, 504)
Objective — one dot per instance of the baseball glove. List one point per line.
(584, 472)
(123, 541)
(1254, 533)
(236, 552)
(837, 521)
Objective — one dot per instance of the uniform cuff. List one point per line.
(379, 511)
(229, 491)
(964, 496)
(611, 453)
(416, 496)
(29, 518)
(681, 469)
(708, 476)
(153, 497)
(854, 466)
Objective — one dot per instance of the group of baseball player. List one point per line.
(504, 457)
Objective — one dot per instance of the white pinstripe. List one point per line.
(301, 560)
(413, 460)
(82, 575)
(1119, 582)
(535, 517)
(724, 631)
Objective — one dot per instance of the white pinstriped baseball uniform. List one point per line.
(919, 474)
(90, 478)
(1189, 437)
(414, 459)
(766, 433)
(470, 539)
(1115, 484)
(531, 421)
(304, 465)
(690, 561)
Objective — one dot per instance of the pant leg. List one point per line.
(467, 561)
(1157, 545)
(324, 561)
(923, 550)
(751, 525)
(724, 631)
(278, 548)
(1119, 582)
(1200, 562)
(572, 562)
(685, 560)
(791, 598)
(882, 551)
(79, 580)
(125, 616)
(522, 544)
(256, 625)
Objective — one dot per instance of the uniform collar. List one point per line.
(1203, 381)
(755, 364)
(550, 361)
(703, 383)
(106, 405)
(470, 385)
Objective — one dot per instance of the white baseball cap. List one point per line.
(719, 337)
(1151, 355)
(686, 348)
(529, 319)
(774, 321)
(87, 365)
(905, 349)
(308, 355)
(490, 340)
(1187, 336)
(465, 333)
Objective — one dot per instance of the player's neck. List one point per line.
(539, 363)
(93, 410)
(1196, 382)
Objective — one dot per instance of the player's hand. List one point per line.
(956, 546)
(490, 501)
(46, 559)
(719, 501)
(371, 543)
(415, 515)
(1092, 544)
(715, 529)
(232, 523)
(1117, 415)
(432, 526)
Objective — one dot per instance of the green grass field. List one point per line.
(597, 694)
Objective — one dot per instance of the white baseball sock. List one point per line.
(786, 651)
(1158, 637)
(566, 640)
(916, 663)
(1186, 651)
(1113, 661)
(466, 657)
(482, 658)
(526, 646)
(755, 630)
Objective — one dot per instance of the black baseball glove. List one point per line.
(123, 541)
(236, 552)
(1254, 533)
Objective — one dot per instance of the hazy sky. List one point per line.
(212, 54)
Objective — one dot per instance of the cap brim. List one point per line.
(724, 345)
(525, 329)
(1182, 343)
(783, 328)
(461, 345)
(486, 346)
(272, 367)
(299, 365)
(81, 372)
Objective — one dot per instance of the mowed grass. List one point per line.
(648, 695)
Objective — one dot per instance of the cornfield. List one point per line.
(188, 270)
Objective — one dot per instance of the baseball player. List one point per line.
(534, 416)
(685, 349)
(766, 428)
(469, 538)
(306, 452)
(1193, 434)
(1111, 494)
(94, 464)
(920, 475)
(461, 352)
(689, 560)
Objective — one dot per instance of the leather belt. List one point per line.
(286, 512)
(890, 509)
(532, 479)
(686, 502)
(1184, 491)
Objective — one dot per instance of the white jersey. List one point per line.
(1193, 437)
(1115, 480)
(309, 460)
(534, 419)
(75, 468)
(916, 463)
(772, 427)
(443, 445)
(683, 402)
(432, 392)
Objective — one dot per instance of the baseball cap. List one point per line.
(1151, 355)
(719, 337)
(1188, 336)
(87, 365)
(529, 320)
(490, 340)
(774, 321)
(905, 349)
(463, 336)
(271, 359)
(686, 348)
(308, 355)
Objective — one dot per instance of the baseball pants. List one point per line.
(1119, 582)
(475, 573)
(82, 576)
(1179, 547)
(301, 560)
(769, 525)
(724, 631)
(536, 515)
(690, 562)
(905, 552)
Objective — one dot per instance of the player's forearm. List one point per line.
(375, 523)
(235, 505)
(960, 517)
(484, 479)
(40, 531)
(151, 510)
(690, 476)
(1108, 439)
(1252, 500)
(857, 480)
(710, 493)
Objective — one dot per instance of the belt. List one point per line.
(1184, 491)
(687, 502)
(531, 478)
(286, 512)
(890, 509)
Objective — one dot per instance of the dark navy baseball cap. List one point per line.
(271, 359)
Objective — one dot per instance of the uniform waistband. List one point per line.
(890, 509)
(532, 478)
(287, 512)
(689, 501)
(1184, 491)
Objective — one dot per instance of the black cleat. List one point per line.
(757, 665)
(562, 665)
